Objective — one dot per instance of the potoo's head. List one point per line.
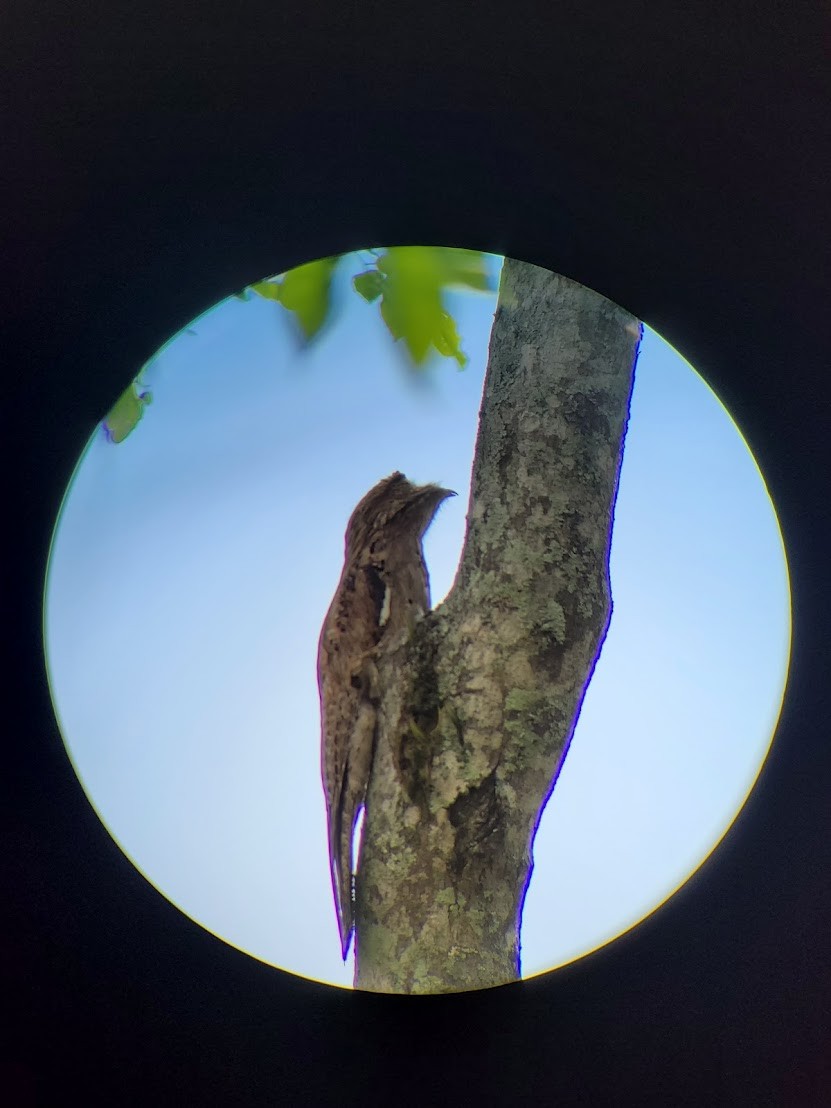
(394, 504)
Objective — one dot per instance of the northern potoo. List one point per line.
(384, 587)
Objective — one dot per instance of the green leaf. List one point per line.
(370, 285)
(307, 291)
(466, 268)
(412, 305)
(447, 341)
(269, 290)
(413, 317)
(126, 413)
(449, 266)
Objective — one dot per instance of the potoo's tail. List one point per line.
(340, 845)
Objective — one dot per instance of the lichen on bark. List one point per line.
(479, 704)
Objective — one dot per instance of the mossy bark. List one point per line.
(480, 699)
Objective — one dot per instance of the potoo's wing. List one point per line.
(349, 635)
(383, 588)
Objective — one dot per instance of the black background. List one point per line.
(157, 160)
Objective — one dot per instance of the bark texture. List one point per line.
(480, 698)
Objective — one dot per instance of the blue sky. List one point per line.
(192, 566)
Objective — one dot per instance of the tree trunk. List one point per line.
(479, 704)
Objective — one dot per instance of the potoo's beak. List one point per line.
(440, 495)
(435, 493)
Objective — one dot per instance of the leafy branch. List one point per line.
(407, 282)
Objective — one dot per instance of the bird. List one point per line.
(383, 589)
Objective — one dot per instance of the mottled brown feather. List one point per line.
(384, 586)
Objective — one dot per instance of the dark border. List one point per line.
(676, 163)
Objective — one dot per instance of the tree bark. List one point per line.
(480, 699)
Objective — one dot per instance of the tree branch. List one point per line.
(480, 701)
